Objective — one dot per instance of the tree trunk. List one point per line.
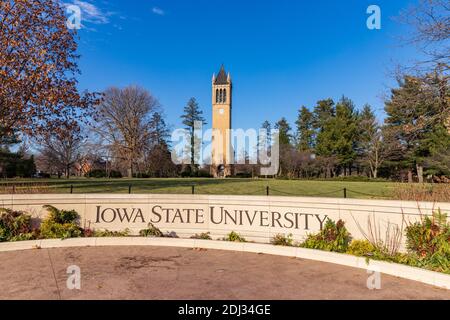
(420, 173)
(130, 169)
(410, 176)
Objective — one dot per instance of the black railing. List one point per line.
(32, 187)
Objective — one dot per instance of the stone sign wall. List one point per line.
(256, 218)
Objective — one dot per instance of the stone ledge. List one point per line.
(402, 271)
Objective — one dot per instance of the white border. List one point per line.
(436, 279)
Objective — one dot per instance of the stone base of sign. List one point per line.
(424, 276)
(256, 218)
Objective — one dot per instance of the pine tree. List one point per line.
(285, 132)
(324, 113)
(305, 130)
(413, 116)
(192, 114)
(159, 132)
(345, 133)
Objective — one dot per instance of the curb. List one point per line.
(436, 279)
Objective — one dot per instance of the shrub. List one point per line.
(99, 173)
(202, 236)
(15, 226)
(107, 233)
(282, 240)
(334, 237)
(361, 248)
(52, 230)
(204, 174)
(234, 237)
(62, 216)
(151, 231)
(428, 242)
(115, 174)
(60, 224)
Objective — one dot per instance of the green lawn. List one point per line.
(363, 190)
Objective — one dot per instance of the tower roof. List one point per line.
(222, 77)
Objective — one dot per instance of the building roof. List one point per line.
(222, 77)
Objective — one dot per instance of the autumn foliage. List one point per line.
(38, 66)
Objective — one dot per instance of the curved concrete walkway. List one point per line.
(182, 273)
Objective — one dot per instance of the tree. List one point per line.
(38, 65)
(285, 138)
(124, 123)
(158, 159)
(285, 131)
(192, 114)
(159, 131)
(369, 140)
(267, 127)
(62, 149)
(374, 144)
(305, 130)
(337, 134)
(414, 118)
(324, 113)
(430, 22)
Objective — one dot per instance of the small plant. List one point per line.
(62, 216)
(60, 224)
(110, 234)
(202, 236)
(361, 248)
(151, 231)
(282, 240)
(334, 237)
(234, 237)
(387, 239)
(428, 242)
(15, 226)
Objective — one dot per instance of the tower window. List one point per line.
(217, 95)
(224, 95)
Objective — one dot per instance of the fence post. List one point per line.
(268, 191)
(129, 189)
(193, 189)
(14, 189)
(71, 189)
(345, 193)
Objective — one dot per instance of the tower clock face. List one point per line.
(221, 111)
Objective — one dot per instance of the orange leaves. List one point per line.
(38, 67)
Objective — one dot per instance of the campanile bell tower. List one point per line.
(222, 99)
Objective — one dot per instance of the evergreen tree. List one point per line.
(191, 115)
(414, 117)
(305, 130)
(345, 133)
(285, 132)
(159, 130)
(324, 113)
(268, 129)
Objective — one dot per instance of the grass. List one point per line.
(357, 190)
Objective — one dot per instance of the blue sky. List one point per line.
(281, 54)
